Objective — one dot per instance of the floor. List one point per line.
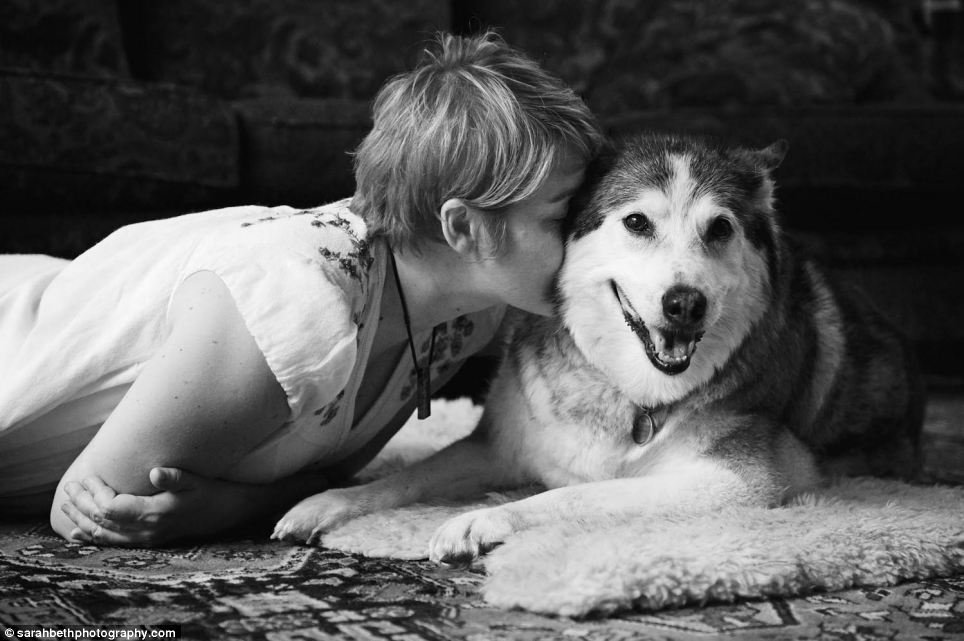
(247, 588)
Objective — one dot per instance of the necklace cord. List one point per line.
(423, 374)
(405, 316)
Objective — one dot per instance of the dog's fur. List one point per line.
(697, 361)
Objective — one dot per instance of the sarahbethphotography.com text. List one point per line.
(135, 633)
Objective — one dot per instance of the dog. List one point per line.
(698, 360)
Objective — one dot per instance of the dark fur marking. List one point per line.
(585, 213)
(614, 178)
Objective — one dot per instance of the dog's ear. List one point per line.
(769, 158)
(763, 160)
(754, 171)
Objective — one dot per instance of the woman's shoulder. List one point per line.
(328, 240)
(330, 235)
(336, 215)
(331, 223)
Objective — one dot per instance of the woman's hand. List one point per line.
(186, 505)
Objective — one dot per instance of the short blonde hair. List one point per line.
(476, 120)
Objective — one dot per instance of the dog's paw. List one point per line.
(312, 517)
(465, 537)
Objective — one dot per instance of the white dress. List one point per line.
(75, 334)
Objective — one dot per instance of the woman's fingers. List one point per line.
(101, 505)
(104, 517)
(84, 526)
(130, 510)
(84, 502)
(101, 492)
(87, 531)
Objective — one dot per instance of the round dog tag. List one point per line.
(644, 428)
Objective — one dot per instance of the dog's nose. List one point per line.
(684, 306)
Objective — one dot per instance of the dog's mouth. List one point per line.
(669, 350)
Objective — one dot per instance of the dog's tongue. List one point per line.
(675, 347)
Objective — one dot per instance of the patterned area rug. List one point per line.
(249, 588)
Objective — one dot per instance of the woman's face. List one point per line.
(532, 253)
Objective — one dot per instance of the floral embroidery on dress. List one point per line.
(450, 339)
(266, 219)
(329, 411)
(349, 262)
(355, 260)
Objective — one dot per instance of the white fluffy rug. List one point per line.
(858, 532)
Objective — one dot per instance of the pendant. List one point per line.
(644, 427)
(423, 391)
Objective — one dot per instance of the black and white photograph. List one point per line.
(482, 320)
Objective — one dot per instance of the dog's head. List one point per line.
(670, 254)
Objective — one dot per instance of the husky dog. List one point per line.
(697, 361)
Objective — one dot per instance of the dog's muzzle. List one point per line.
(671, 348)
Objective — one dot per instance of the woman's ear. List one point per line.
(461, 227)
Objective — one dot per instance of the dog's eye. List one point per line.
(719, 229)
(638, 224)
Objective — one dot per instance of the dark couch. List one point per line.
(113, 111)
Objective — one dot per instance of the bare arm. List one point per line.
(202, 402)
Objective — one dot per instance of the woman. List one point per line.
(209, 367)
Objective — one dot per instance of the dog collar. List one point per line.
(648, 422)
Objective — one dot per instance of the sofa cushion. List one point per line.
(297, 152)
(884, 148)
(86, 144)
(305, 48)
(72, 36)
(670, 53)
